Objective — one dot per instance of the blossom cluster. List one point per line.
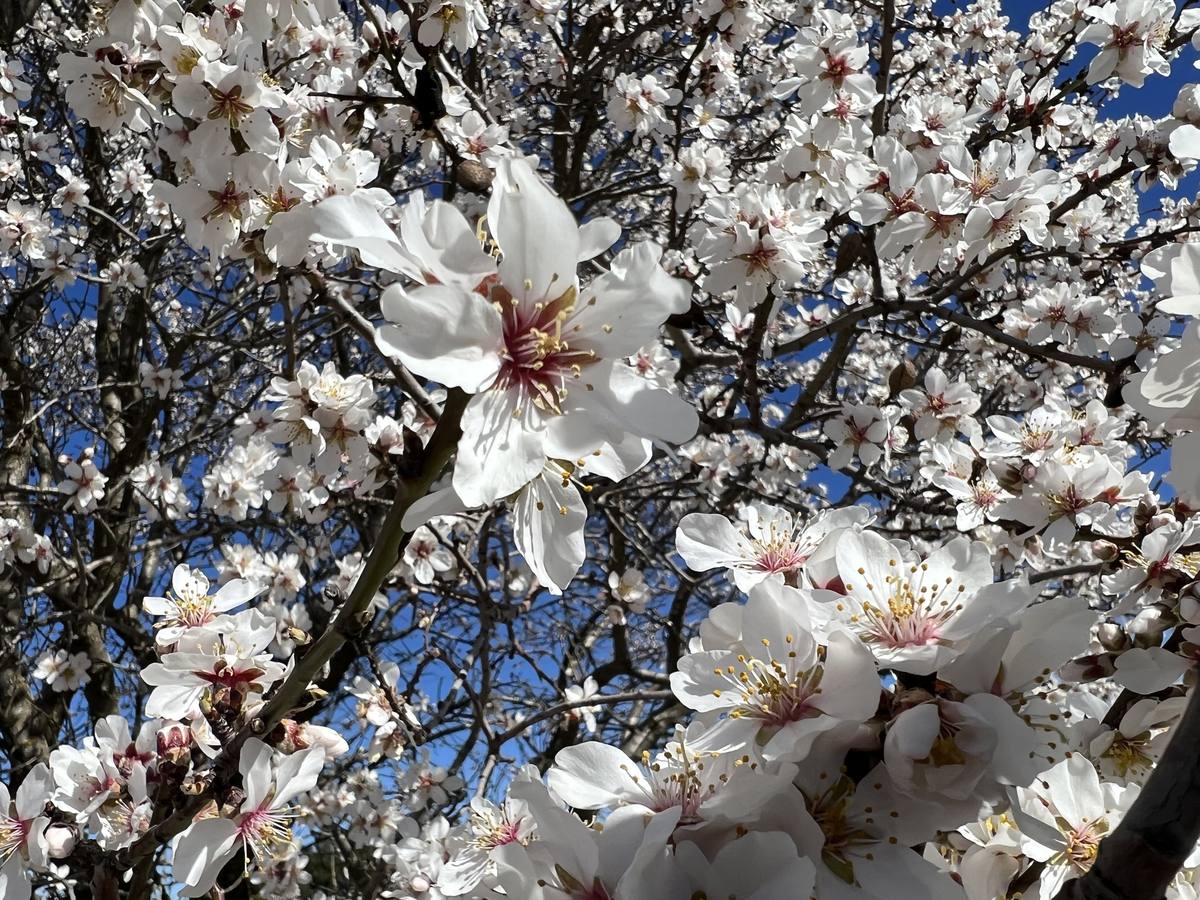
(594, 450)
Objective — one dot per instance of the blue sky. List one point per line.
(1154, 98)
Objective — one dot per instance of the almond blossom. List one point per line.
(226, 655)
(23, 826)
(914, 613)
(1064, 816)
(262, 823)
(62, 670)
(770, 693)
(771, 543)
(538, 352)
(191, 606)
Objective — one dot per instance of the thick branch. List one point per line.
(1139, 860)
(345, 625)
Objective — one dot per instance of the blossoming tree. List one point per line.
(597, 450)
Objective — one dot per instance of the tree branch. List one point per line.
(1142, 856)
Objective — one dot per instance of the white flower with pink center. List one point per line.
(229, 655)
(915, 614)
(492, 827)
(1063, 815)
(542, 355)
(189, 605)
(701, 784)
(262, 825)
(23, 832)
(774, 692)
(771, 542)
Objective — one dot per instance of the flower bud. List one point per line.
(174, 743)
(1161, 518)
(1144, 515)
(1105, 551)
(1149, 625)
(473, 176)
(1112, 636)
(60, 841)
(418, 884)
(1088, 668)
(907, 698)
(331, 743)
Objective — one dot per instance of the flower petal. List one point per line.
(536, 233)
(444, 334)
(297, 775)
(632, 300)
(709, 541)
(200, 853)
(500, 451)
(548, 521)
(254, 764)
(354, 221)
(593, 775)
